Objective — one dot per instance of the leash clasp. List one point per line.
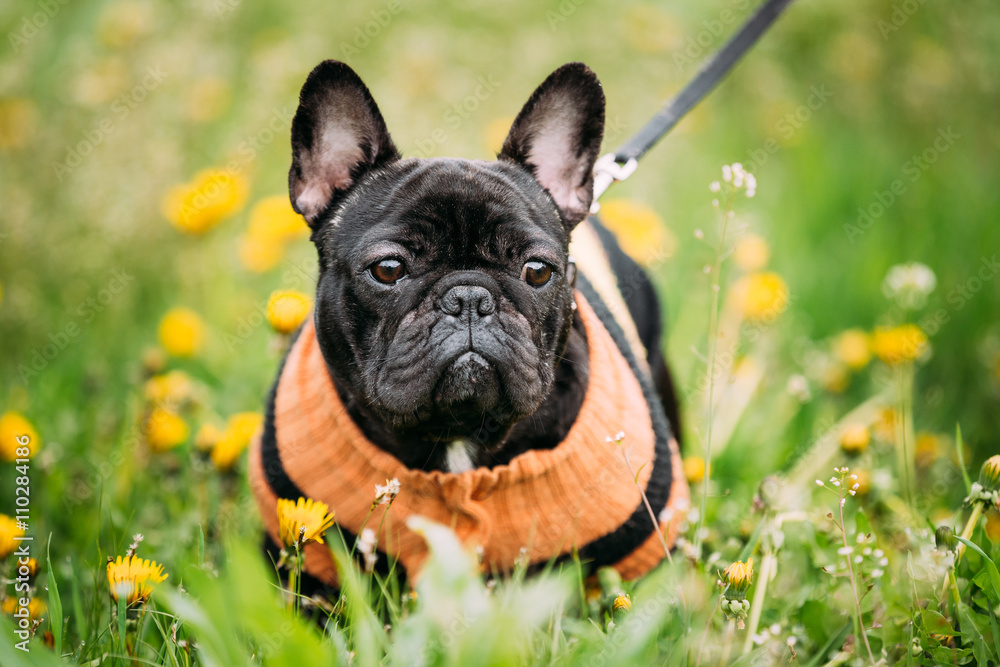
(606, 171)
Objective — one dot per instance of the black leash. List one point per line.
(622, 163)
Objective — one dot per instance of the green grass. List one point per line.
(94, 483)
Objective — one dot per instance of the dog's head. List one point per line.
(445, 289)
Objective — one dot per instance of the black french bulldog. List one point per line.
(445, 305)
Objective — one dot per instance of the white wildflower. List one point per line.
(384, 495)
(798, 387)
(909, 285)
(366, 547)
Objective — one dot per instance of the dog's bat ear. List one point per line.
(338, 135)
(557, 136)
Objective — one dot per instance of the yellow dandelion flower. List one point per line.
(245, 424)
(17, 122)
(287, 310)
(496, 133)
(13, 425)
(132, 579)
(738, 576)
(622, 603)
(640, 231)
(927, 449)
(273, 224)
(208, 99)
(694, 469)
(165, 430)
(303, 521)
(207, 437)
(751, 253)
(212, 195)
(29, 569)
(761, 296)
(274, 219)
(854, 438)
(10, 606)
(852, 348)
(898, 345)
(170, 389)
(36, 607)
(240, 429)
(989, 474)
(8, 531)
(259, 254)
(182, 332)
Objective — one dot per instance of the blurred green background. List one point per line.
(106, 106)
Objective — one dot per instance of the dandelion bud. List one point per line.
(622, 605)
(738, 576)
(989, 474)
(944, 538)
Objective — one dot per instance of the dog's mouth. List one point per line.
(470, 383)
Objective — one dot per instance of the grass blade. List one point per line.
(991, 567)
(55, 601)
(961, 457)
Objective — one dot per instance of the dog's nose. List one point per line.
(469, 300)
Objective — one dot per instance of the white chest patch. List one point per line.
(457, 458)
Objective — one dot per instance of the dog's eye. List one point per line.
(536, 273)
(388, 270)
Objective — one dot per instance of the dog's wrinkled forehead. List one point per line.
(462, 207)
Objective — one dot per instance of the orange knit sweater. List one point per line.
(545, 501)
